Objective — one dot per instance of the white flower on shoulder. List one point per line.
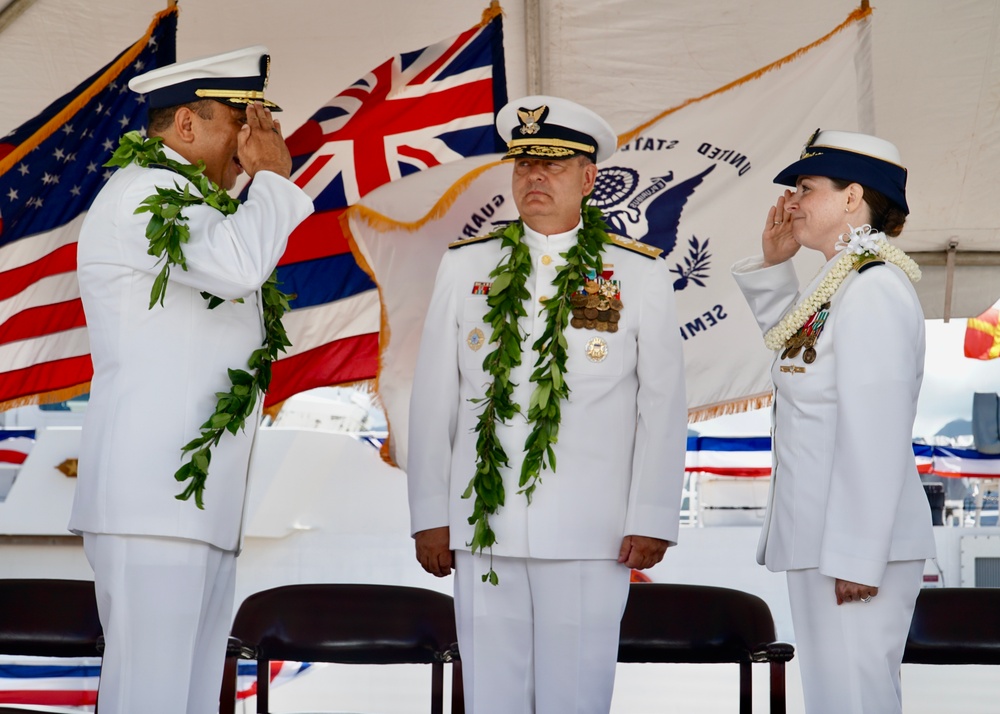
(857, 244)
(858, 241)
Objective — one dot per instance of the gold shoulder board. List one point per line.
(470, 241)
(639, 247)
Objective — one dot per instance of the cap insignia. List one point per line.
(531, 119)
(810, 142)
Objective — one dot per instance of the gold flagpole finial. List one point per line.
(491, 12)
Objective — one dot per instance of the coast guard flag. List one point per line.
(50, 171)
(695, 181)
(414, 111)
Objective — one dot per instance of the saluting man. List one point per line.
(164, 568)
(550, 363)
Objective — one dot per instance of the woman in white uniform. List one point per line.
(847, 516)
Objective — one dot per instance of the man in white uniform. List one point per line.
(545, 637)
(164, 568)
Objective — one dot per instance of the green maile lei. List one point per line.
(506, 302)
(167, 233)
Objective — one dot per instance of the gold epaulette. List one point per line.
(869, 261)
(639, 247)
(470, 241)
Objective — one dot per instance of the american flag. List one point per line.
(414, 111)
(50, 171)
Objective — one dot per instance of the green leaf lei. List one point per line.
(167, 233)
(506, 302)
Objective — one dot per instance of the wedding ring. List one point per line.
(866, 599)
(777, 223)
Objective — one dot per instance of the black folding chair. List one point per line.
(701, 624)
(48, 618)
(955, 626)
(347, 624)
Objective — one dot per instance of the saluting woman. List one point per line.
(847, 517)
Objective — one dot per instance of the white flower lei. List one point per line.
(860, 245)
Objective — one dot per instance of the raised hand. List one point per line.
(776, 240)
(260, 145)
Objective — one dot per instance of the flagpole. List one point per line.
(533, 45)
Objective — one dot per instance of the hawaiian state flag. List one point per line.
(51, 168)
(982, 335)
(414, 111)
(15, 445)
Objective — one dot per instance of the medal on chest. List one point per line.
(598, 304)
(804, 340)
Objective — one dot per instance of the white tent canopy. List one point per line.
(936, 78)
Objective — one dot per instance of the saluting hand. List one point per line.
(776, 240)
(260, 145)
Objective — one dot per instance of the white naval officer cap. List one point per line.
(235, 78)
(851, 156)
(545, 127)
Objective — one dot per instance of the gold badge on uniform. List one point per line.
(476, 339)
(597, 349)
(531, 119)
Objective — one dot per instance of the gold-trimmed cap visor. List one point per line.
(235, 78)
(851, 156)
(542, 126)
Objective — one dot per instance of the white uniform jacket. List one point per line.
(620, 455)
(845, 496)
(156, 370)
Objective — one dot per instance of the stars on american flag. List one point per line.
(63, 171)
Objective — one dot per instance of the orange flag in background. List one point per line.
(982, 335)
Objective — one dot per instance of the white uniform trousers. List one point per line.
(166, 606)
(545, 639)
(849, 655)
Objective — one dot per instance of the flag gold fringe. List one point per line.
(856, 16)
(490, 13)
(738, 406)
(53, 397)
(383, 328)
(383, 223)
(89, 93)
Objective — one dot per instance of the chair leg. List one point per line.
(437, 688)
(263, 685)
(227, 697)
(777, 688)
(457, 688)
(746, 689)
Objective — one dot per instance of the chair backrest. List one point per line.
(955, 626)
(49, 618)
(348, 624)
(693, 623)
